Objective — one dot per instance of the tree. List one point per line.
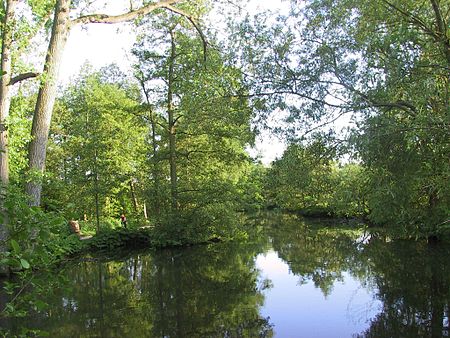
(97, 149)
(382, 62)
(204, 127)
(62, 24)
(15, 35)
(302, 178)
(10, 31)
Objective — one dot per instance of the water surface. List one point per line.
(295, 279)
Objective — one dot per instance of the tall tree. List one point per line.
(10, 32)
(15, 34)
(62, 24)
(172, 122)
(206, 127)
(301, 178)
(5, 99)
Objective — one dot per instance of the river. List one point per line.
(293, 278)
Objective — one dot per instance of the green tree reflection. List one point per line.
(207, 291)
(413, 282)
(317, 253)
(411, 279)
(216, 290)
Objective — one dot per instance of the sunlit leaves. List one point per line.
(98, 144)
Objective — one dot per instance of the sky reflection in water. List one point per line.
(302, 310)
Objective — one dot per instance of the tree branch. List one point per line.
(22, 77)
(176, 120)
(110, 19)
(194, 23)
(441, 27)
(414, 20)
(287, 92)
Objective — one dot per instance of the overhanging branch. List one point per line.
(22, 77)
(194, 23)
(110, 19)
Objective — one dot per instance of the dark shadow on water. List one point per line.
(205, 291)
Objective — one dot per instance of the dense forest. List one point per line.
(167, 144)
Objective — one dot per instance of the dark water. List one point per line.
(294, 279)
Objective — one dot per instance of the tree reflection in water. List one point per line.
(412, 280)
(216, 290)
(208, 291)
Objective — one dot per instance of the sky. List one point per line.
(102, 44)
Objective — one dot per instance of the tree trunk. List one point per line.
(46, 100)
(145, 211)
(156, 180)
(96, 192)
(133, 196)
(155, 172)
(440, 25)
(5, 98)
(5, 102)
(171, 118)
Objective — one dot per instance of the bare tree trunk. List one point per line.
(46, 100)
(5, 102)
(145, 211)
(172, 130)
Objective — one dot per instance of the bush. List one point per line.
(35, 238)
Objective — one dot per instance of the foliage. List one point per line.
(37, 241)
(385, 64)
(96, 149)
(19, 127)
(307, 179)
(250, 188)
(205, 128)
(37, 238)
(301, 178)
(182, 151)
(349, 196)
(109, 240)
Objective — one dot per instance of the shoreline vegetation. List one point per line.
(86, 237)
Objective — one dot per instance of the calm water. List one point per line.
(294, 279)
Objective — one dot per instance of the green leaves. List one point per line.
(15, 246)
(24, 263)
(100, 142)
(380, 62)
(211, 123)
